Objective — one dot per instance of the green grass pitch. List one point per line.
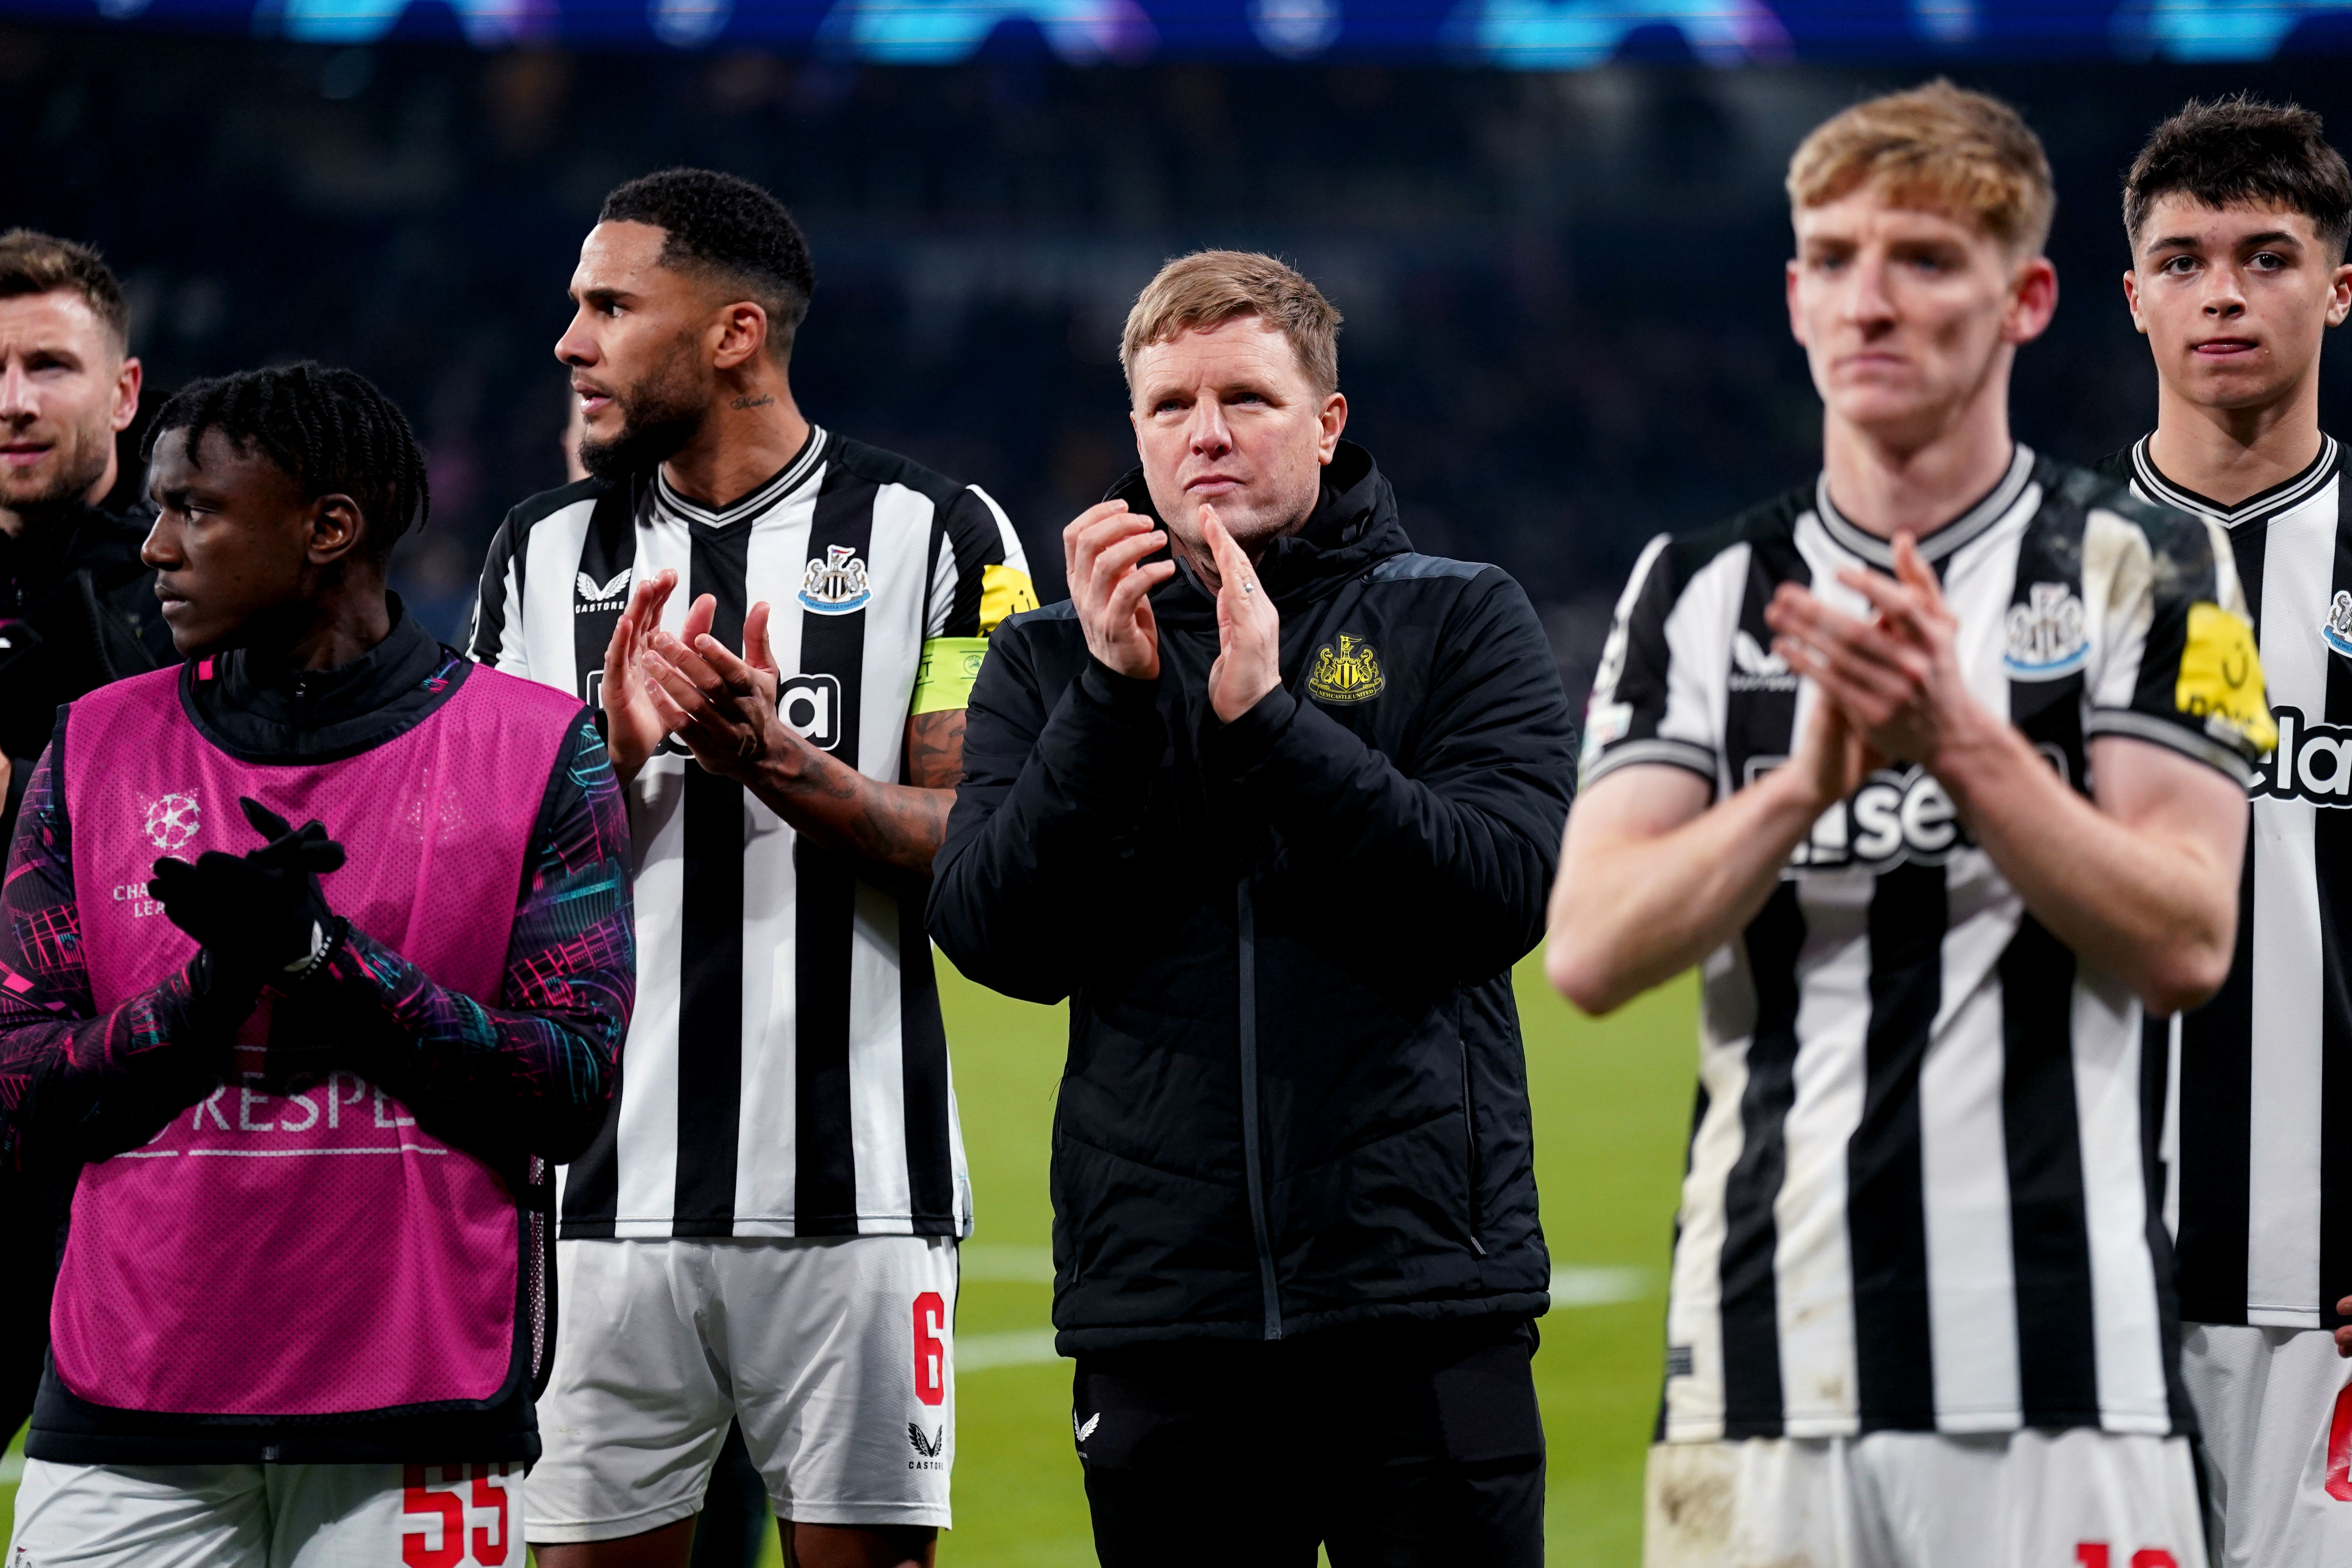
(1613, 1107)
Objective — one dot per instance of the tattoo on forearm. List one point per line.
(935, 749)
(902, 827)
(897, 826)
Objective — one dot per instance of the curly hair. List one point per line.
(729, 230)
(330, 430)
(2240, 149)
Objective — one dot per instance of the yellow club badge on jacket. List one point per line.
(1350, 673)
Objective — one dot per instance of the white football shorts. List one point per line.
(836, 1353)
(268, 1516)
(2078, 1498)
(2277, 1407)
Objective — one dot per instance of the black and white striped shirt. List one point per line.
(2260, 1192)
(1922, 1191)
(786, 1072)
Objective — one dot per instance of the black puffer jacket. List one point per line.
(1296, 1095)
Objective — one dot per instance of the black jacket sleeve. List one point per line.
(76, 1083)
(1056, 787)
(1458, 857)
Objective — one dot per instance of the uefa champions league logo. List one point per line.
(172, 821)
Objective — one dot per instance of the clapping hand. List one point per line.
(1249, 628)
(1896, 676)
(633, 730)
(261, 916)
(1101, 551)
(721, 707)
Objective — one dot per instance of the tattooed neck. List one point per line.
(760, 402)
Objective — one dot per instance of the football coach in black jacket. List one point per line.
(1274, 800)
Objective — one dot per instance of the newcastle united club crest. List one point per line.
(1350, 674)
(836, 585)
(2338, 630)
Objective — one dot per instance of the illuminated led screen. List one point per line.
(1534, 34)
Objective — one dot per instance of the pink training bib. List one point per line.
(311, 1252)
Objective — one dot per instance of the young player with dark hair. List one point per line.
(2237, 214)
(316, 1074)
(1936, 765)
(766, 1231)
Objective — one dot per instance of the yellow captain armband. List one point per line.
(1003, 591)
(943, 681)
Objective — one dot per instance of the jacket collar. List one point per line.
(264, 709)
(56, 544)
(1353, 525)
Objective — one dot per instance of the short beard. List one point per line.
(658, 416)
(79, 468)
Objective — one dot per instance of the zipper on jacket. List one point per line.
(1253, 1169)
(1470, 1127)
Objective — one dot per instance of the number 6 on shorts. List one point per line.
(930, 1348)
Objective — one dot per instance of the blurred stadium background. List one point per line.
(1555, 227)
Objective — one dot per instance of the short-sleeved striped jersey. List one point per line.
(786, 1072)
(2261, 1191)
(1922, 1189)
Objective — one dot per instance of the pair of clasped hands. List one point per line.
(259, 918)
(722, 709)
(1893, 682)
(1105, 552)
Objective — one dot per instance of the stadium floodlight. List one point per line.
(1294, 29)
(486, 24)
(941, 32)
(689, 23)
(1578, 35)
(2212, 31)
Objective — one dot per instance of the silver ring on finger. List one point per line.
(1249, 586)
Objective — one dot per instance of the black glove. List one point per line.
(261, 917)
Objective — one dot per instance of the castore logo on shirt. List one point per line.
(1755, 670)
(599, 596)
